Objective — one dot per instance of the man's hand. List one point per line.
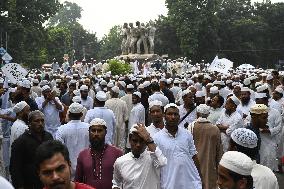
(2, 91)
(143, 133)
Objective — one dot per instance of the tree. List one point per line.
(110, 44)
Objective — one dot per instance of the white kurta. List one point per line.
(233, 121)
(139, 173)
(51, 114)
(152, 130)
(263, 177)
(88, 103)
(214, 115)
(180, 171)
(17, 129)
(128, 100)
(245, 109)
(75, 136)
(189, 118)
(120, 111)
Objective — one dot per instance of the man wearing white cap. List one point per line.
(141, 167)
(74, 134)
(234, 171)
(156, 115)
(22, 110)
(157, 94)
(229, 120)
(87, 101)
(207, 140)
(128, 97)
(246, 102)
(245, 141)
(187, 110)
(67, 97)
(182, 170)
(95, 164)
(175, 89)
(120, 111)
(102, 112)
(216, 105)
(137, 114)
(50, 106)
(36, 88)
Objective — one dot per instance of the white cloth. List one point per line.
(108, 116)
(75, 136)
(214, 115)
(160, 97)
(120, 111)
(51, 114)
(128, 100)
(233, 121)
(137, 115)
(189, 118)
(175, 90)
(263, 177)
(17, 129)
(152, 130)
(139, 173)
(88, 103)
(180, 171)
(5, 184)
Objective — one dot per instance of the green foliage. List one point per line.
(110, 44)
(117, 67)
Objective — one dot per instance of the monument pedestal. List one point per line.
(140, 56)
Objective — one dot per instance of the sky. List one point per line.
(99, 16)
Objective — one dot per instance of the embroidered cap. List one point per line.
(244, 137)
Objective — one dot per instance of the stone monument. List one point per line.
(138, 42)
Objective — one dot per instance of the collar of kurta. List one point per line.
(170, 135)
(141, 155)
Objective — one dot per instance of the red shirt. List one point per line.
(79, 186)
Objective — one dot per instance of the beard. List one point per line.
(245, 101)
(97, 144)
(84, 97)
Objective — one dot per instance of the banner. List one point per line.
(14, 72)
(221, 65)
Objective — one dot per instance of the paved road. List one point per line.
(280, 178)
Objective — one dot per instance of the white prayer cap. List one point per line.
(259, 109)
(279, 90)
(45, 87)
(137, 94)
(130, 86)
(122, 83)
(235, 100)
(115, 89)
(75, 108)
(199, 94)
(203, 109)
(244, 137)
(26, 84)
(269, 77)
(214, 90)
(237, 162)
(260, 95)
(76, 92)
(235, 83)
(209, 84)
(207, 77)
(19, 106)
(98, 121)
(261, 88)
(185, 92)
(229, 81)
(264, 74)
(12, 90)
(36, 81)
(170, 105)
(163, 79)
(146, 84)
(141, 86)
(77, 99)
(247, 81)
(245, 89)
(101, 96)
(218, 83)
(110, 84)
(155, 103)
(103, 82)
(176, 81)
(84, 88)
(254, 77)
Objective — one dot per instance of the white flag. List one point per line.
(221, 65)
(14, 72)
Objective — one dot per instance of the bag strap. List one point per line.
(183, 118)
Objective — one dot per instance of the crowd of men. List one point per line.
(79, 128)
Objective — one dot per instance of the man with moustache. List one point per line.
(95, 164)
(156, 115)
(246, 102)
(54, 167)
(22, 166)
(86, 101)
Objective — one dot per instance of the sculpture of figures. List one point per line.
(133, 38)
(142, 38)
(125, 39)
(151, 36)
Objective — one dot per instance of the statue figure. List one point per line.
(125, 39)
(142, 38)
(133, 38)
(151, 36)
